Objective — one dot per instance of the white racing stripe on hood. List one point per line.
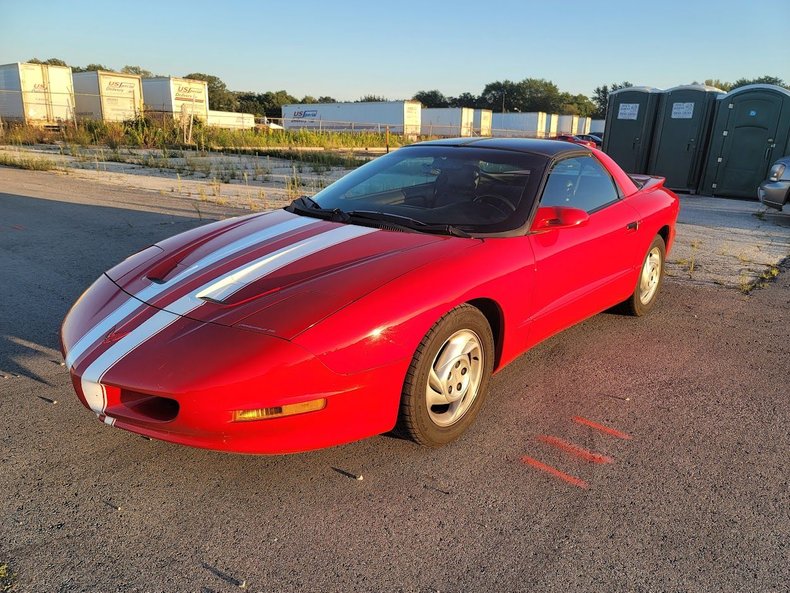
(104, 326)
(91, 379)
(234, 281)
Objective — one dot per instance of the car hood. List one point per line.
(278, 273)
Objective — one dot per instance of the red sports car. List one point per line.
(385, 301)
(576, 140)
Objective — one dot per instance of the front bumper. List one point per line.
(774, 194)
(184, 383)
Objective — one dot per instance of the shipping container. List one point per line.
(568, 124)
(482, 122)
(681, 136)
(630, 120)
(176, 97)
(401, 117)
(597, 126)
(523, 125)
(552, 124)
(751, 129)
(36, 94)
(449, 122)
(231, 120)
(584, 125)
(107, 96)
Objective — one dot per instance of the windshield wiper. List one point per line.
(407, 222)
(309, 207)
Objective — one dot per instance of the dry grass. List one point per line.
(167, 133)
(27, 162)
(7, 579)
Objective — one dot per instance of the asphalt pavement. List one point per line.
(621, 455)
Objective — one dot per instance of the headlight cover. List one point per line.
(776, 172)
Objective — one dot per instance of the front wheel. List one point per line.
(651, 277)
(448, 378)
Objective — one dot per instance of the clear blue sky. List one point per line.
(347, 48)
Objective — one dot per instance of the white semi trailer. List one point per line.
(176, 97)
(230, 120)
(597, 126)
(401, 117)
(482, 122)
(524, 125)
(568, 124)
(448, 122)
(108, 96)
(552, 122)
(36, 94)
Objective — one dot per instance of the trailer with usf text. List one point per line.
(108, 96)
(176, 97)
(36, 94)
(400, 117)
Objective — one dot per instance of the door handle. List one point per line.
(632, 226)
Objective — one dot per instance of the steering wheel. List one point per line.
(501, 203)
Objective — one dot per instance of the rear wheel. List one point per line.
(448, 378)
(651, 277)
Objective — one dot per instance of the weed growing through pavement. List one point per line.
(746, 286)
(7, 579)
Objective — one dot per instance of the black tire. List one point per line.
(636, 305)
(427, 425)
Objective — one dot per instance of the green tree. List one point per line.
(580, 105)
(719, 84)
(96, 67)
(372, 99)
(600, 97)
(540, 95)
(464, 100)
(759, 80)
(219, 97)
(137, 70)
(326, 99)
(504, 95)
(50, 62)
(268, 103)
(432, 98)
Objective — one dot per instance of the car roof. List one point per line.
(547, 148)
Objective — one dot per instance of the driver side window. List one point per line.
(579, 182)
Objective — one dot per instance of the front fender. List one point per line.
(389, 323)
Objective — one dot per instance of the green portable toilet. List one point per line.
(630, 117)
(750, 131)
(685, 116)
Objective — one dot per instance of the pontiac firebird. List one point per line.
(386, 301)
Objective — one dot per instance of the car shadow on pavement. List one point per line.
(51, 251)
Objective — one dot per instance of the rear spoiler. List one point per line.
(646, 181)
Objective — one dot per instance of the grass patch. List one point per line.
(168, 133)
(26, 162)
(7, 579)
(320, 160)
(768, 275)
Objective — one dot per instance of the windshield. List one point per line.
(436, 188)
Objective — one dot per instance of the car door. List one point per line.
(582, 270)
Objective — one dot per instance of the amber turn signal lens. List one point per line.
(279, 411)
